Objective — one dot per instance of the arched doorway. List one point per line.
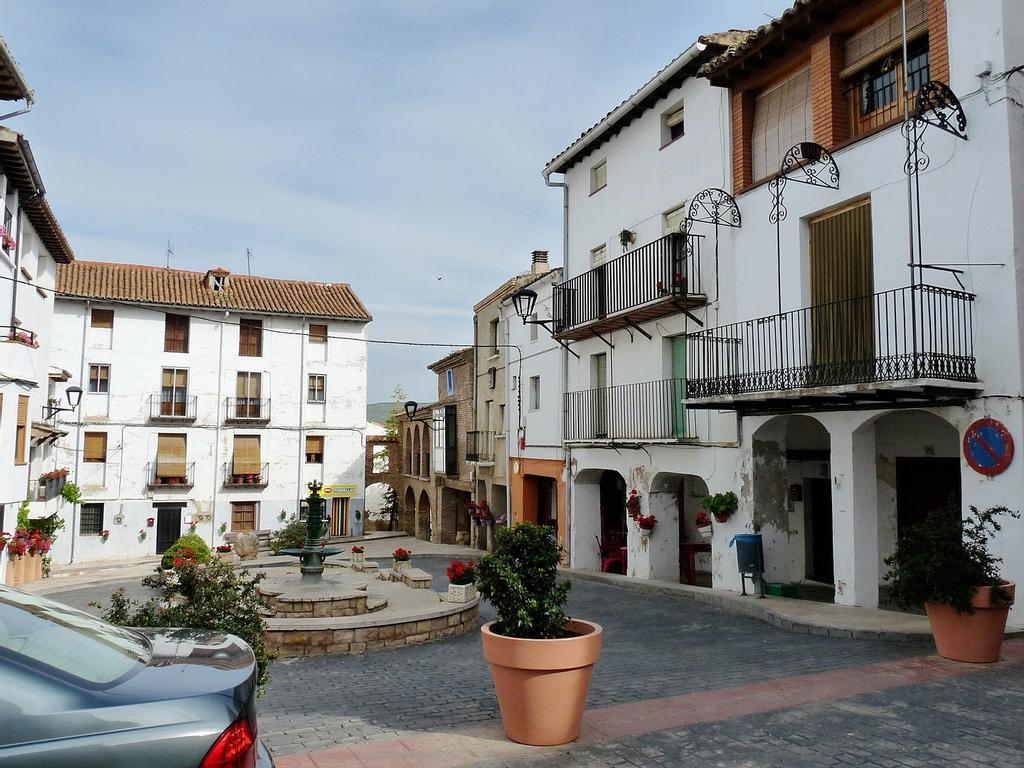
(408, 450)
(792, 503)
(423, 517)
(675, 500)
(416, 455)
(409, 512)
(598, 526)
(425, 450)
(382, 508)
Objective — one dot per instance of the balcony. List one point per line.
(18, 335)
(50, 487)
(235, 479)
(908, 345)
(167, 475)
(649, 410)
(246, 410)
(655, 280)
(165, 409)
(480, 447)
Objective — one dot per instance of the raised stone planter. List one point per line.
(461, 593)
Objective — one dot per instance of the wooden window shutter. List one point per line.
(782, 118)
(247, 455)
(243, 516)
(318, 334)
(884, 36)
(250, 338)
(95, 446)
(314, 449)
(170, 456)
(102, 318)
(21, 434)
(176, 328)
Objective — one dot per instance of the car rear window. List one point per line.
(68, 641)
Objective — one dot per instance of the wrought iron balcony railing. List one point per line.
(172, 407)
(918, 332)
(251, 410)
(654, 280)
(479, 446)
(240, 476)
(19, 335)
(649, 410)
(170, 474)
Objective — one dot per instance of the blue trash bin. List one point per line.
(749, 559)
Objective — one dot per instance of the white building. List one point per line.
(827, 383)
(210, 400)
(633, 286)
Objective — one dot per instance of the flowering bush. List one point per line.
(703, 519)
(357, 549)
(222, 548)
(461, 573)
(401, 554)
(56, 474)
(647, 522)
(19, 543)
(190, 545)
(38, 543)
(4, 538)
(633, 504)
(480, 511)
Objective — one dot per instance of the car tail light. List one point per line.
(235, 748)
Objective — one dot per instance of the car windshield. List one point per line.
(67, 640)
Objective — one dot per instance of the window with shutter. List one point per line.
(672, 124)
(176, 333)
(673, 219)
(102, 318)
(243, 516)
(317, 389)
(877, 94)
(782, 118)
(99, 379)
(248, 393)
(90, 519)
(317, 334)
(246, 456)
(599, 176)
(95, 447)
(250, 338)
(173, 392)
(21, 432)
(884, 36)
(170, 456)
(314, 449)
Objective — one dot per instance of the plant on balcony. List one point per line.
(721, 505)
(23, 337)
(946, 564)
(56, 474)
(626, 238)
(6, 240)
(633, 503)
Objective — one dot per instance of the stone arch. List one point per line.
(678, 553)
(409, 511)
(599, 504)
(415, 451)
(407, 451)
(423, 517)
(425, 449)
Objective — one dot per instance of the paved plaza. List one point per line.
(678, 684)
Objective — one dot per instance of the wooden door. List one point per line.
(819, 500)
(168, 527)
(599, 372)
(842, 305)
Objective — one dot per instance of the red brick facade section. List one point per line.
(829, 104)
(742, 128)
(938, 47)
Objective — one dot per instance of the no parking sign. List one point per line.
(988, 447)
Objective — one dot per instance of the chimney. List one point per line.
(540, 263)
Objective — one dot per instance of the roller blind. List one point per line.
(884, 36)
(318, 333)
(247, 455)
(170, 456)
(248, 385)
(176, 333)
(21, 434)
(102, 318)
(95, 446)
(314, 449)
(782, 118)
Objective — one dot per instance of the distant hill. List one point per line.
(378, 412)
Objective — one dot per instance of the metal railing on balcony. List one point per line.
(243, 476)
(649, 410)
(172, 407)
(247, 409)
(170, 474)
(19, 335)
(479, 446)
(918, 332)
(663, 270)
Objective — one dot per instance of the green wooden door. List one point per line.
(677, 386)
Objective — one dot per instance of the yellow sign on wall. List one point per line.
(343, 491)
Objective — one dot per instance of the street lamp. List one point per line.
(524, 301)
(411, 406)
(74, 396)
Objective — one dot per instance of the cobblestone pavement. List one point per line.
(321, 711)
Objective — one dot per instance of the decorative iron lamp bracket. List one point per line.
(74, 395)
(712, 206)
(524, 301)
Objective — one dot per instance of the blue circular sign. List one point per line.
(988, 447)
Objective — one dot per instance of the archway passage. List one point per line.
(416, 454)
(675, 501)
(423, 517)
(613, 522)
(409, 512)
(383, 512)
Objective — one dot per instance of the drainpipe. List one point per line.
(302, 422)
(78, 429)
(17, 259)
(217, 423)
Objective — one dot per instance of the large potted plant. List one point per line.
(541, 660)
(945, 564)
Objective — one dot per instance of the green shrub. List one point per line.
(945, 559)
(210, 595)
(193, 541)
(291, 536)
(519, 580)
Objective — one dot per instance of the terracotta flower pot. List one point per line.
(721, 518)
(542, 684)
(975, 637)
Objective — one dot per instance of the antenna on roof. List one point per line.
(170, 252)
(248, 261)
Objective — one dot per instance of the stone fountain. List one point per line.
(312, 553)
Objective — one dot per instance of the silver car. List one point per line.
(77, 691)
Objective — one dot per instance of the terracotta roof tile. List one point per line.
(178, 287)
(742, 47)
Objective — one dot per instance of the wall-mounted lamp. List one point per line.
(524, 302)
(411, 406)
(74, 396)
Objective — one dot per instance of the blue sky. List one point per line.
(383, 144)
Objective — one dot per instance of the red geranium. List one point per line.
(703, 519)
(357, 549)
(646, 522)
(401, 553)
(461, 573)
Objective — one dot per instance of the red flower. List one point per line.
(178, 562)
(703, 519)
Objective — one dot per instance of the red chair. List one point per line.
(613, 552)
